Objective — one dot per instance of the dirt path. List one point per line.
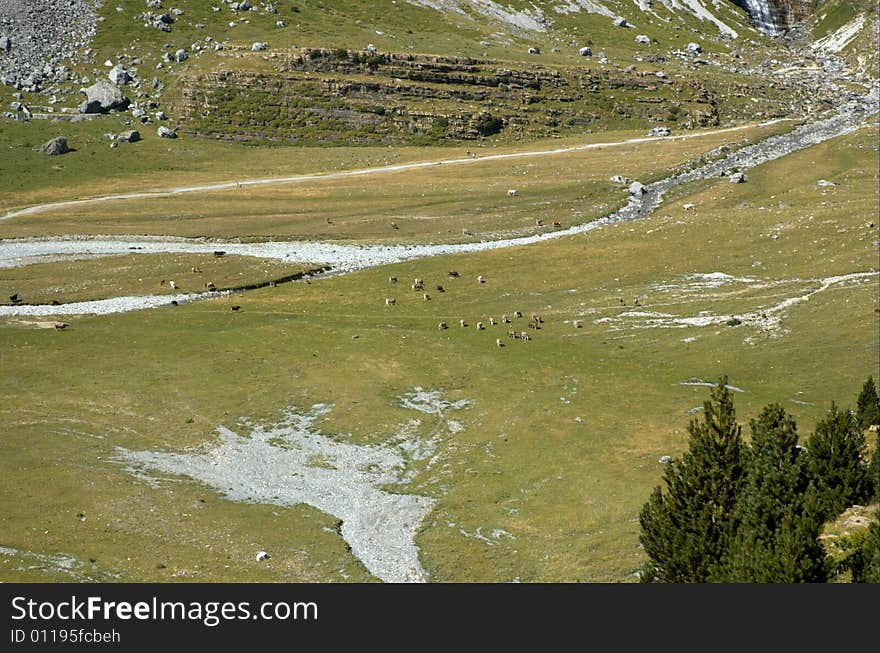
(270, 181)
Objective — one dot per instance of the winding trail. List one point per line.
(360, 172)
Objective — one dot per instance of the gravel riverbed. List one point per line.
(293, 462)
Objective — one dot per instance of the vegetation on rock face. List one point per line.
(487, 124)
(328, 97)
(754, 513)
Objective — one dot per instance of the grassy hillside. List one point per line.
(273, 100)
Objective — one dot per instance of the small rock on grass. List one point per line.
(55, 146)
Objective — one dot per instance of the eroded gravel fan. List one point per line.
(293, 462)
(43, 36)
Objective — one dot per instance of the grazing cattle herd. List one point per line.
(418, 284)
(534, 322)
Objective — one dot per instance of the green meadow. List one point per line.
(560, 442)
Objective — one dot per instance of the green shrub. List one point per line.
(486, 124)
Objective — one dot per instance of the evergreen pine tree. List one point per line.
(776, 525)
(868, 568)
(868, 407)
(684, 531)
(866, 564)
(874, 472)
(835, 461)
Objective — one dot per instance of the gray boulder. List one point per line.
(55, 146)
(132, 136)
(737, 178)
(259, 46)
(694, 47)
(585, 52)
(102, 96)
(164, 132)
(180, 56)
(659, 131)
(5, 43)
(636, 189)
(119, 75)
